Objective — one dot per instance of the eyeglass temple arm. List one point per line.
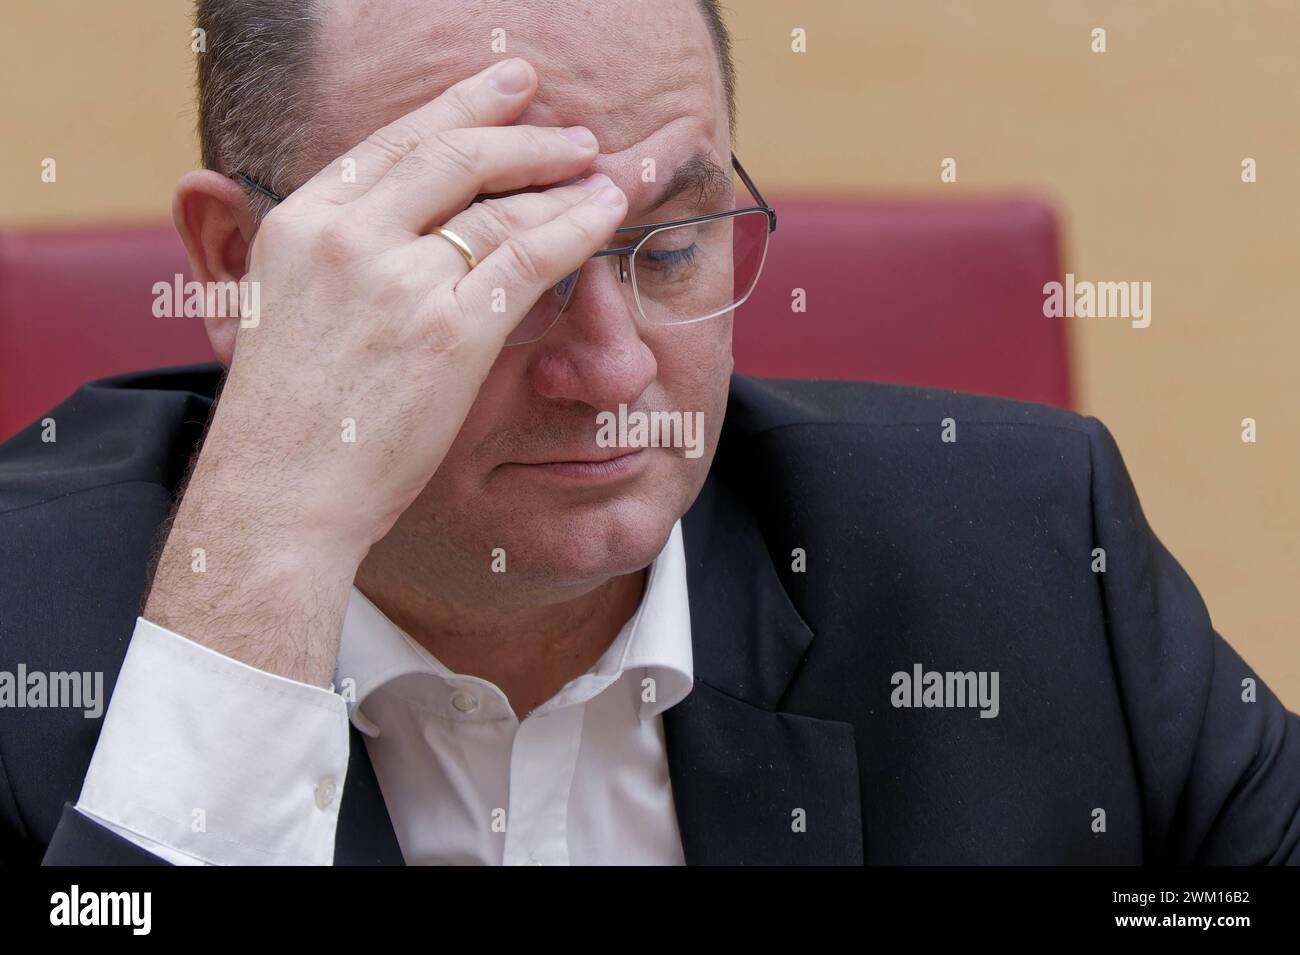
(749, 184)
(255, 185)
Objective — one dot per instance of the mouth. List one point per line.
(590, 468)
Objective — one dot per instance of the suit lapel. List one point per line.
(752, 784)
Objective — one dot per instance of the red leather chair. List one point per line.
(77, 305)
(915, 291)
(921, 292)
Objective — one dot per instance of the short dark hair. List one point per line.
(256, 73)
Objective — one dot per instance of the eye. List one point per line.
(672, 257)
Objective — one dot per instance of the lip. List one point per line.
(591, 470)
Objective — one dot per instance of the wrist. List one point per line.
(308, 487)
(252, 579)
(279, 512)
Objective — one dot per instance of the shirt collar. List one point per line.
(375, 652)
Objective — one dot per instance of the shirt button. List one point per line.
(326, 790)
(464, 701)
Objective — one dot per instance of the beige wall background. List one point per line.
(1140, 148)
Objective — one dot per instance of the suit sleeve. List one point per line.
(203, 759)
(1217, 753)
(78, 840)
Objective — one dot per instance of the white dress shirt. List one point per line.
(204, 759)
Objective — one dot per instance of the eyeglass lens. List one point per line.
(680, 274)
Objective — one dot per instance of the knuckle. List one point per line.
(394, 284)
(339, 242)
(457, 150)
(440, 333)
(497, 217)
(460, 110)
(523, 261)
(413, 166)
(546, 142)
(395, 141)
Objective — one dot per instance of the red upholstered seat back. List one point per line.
(923, 292)
(77, 305)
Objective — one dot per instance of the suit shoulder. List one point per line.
(83, 492)
(919, 445)
(761, 404)
(137, 427)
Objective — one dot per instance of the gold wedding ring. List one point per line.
(461, 245)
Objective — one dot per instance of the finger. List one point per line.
(444, 174)
(525, 265)
(494, 96)
(484, 226)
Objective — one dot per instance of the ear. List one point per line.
(212, 215)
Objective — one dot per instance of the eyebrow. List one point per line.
(699, 174)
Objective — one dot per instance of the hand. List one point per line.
(369, 329)
(368, 319)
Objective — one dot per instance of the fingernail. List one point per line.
(610, 196)
(592, 183)
(579, 136)
(512, 76)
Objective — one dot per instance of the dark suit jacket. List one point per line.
(1115, 693)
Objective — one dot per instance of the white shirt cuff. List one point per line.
(216, 761)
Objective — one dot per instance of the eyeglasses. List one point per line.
(677, 272)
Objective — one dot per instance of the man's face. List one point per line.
(645, 79)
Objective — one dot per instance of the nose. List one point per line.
(595, 353)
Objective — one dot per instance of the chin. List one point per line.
(581, 545)
(559, 541)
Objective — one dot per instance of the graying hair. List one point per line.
(255, 79)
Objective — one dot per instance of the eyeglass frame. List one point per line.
(628, 251)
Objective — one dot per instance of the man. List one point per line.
(836, 635)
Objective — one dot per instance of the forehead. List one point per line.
(642, 76)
